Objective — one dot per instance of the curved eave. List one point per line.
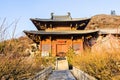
(36, 35)
(62, 20)
(80, 32)
(38, 21)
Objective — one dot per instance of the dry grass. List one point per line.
(103, 66)
(15, 64)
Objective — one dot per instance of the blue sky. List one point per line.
(23, 10)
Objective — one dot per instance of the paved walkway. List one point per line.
(61, 75)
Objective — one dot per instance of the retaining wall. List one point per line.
(42, 75)
(80, 75)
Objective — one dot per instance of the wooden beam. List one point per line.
(71, 26)
(82, 24)
(40, 44)
(39, 37)
(72, 41)
(45, 25)
(76, 25)
(83, 38)
(50, 25)
(51, 45)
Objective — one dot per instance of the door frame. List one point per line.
(57, 47)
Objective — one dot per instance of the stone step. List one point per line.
(61, 75)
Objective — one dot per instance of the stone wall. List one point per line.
(42, 75)
(80, 75)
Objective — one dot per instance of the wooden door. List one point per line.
(61, 50)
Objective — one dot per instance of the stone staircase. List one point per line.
(61, 71)
(61, 75)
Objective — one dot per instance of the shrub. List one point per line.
(14, 64)
(70, 54)
(102, 66)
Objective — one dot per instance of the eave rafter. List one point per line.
(34, 37)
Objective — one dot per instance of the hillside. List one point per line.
(17, 63)
(15, 46)
(104, 21)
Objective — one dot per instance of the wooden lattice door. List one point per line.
(61, 50)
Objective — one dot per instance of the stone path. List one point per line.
(61, 75)
(62, 71)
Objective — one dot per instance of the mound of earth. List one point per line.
(106, 44)
(104, 21)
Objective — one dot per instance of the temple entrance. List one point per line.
(61, 50)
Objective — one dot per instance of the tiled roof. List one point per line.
(61, 32)
(59, 18)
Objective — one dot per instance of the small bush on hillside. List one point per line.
(102, 66)
(13, 65)
(70, 54)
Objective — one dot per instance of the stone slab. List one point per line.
(61, 75)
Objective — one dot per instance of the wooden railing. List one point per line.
(42, 75)
(80, 75)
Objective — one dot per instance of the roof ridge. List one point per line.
(59, 17)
